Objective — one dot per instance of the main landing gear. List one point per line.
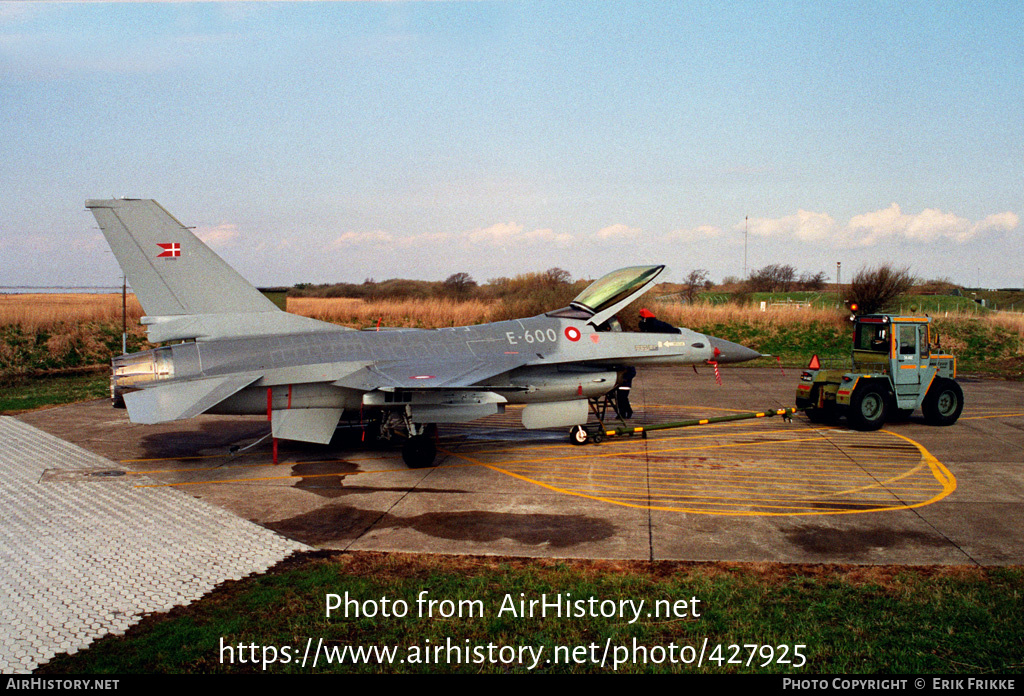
(420, 449)
(419, 440)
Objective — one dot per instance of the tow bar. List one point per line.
(596, 432)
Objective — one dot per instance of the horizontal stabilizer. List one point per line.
(176, 401)
(305, 424)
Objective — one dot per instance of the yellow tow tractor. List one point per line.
(895, 370)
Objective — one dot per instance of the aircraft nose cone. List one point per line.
(729, 352)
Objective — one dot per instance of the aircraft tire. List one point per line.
(578, 435)
(944, 402)
(418, 452)
(869, 407)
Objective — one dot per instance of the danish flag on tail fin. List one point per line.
(172, 249)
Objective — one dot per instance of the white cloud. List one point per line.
(507, 233)
(501, 233)
(619, 233)
(869, 229)
(999, 222)
(223, 235)
(350, 239)
(929, 225)
(695, 234)
(804, 225)
(426, 239)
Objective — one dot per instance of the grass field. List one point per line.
(33, 311)
(849, 619)
(421, 314)
(22, 393)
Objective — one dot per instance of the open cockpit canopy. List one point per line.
(608, 294)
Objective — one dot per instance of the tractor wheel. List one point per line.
(823, 414)
(943, 403)
(820, 415)
(869, 407)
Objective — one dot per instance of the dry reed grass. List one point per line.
(701, 314)
(44, 311)
(433, 313)
(35, 311)
(1011, 321)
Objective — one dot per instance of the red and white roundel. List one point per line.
(572, 333)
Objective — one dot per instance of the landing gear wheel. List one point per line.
(943, 403)
(869, 408)
(419, 451)
(578, 435)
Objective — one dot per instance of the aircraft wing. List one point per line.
(430, 373)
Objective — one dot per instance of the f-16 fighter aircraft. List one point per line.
(243, 355)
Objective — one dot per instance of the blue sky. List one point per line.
(320, 142)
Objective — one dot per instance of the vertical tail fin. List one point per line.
(185, 289)
(171, 271)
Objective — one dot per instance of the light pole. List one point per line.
(745, 220)
(839, 284)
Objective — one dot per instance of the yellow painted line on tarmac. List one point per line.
(675, 469)
(723, 487)
(739, 493)
(994, 415)
(829, 471)
(615, 453)
(744, 513)
(626, 440)
(755, 482)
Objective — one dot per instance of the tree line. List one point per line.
(872, 289)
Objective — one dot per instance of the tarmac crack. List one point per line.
(650, 505)
(387, 512)
(884, 486)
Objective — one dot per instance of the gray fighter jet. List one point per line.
(240, 354)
